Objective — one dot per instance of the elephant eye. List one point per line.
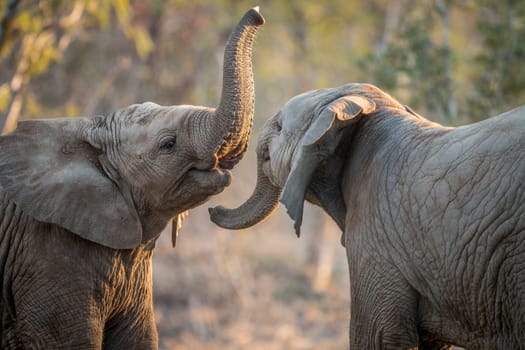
(278, 126)
(167, 145)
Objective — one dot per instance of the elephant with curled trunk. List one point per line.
(83, 200)
(433, 217)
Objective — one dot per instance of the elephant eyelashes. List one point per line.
(168, 144)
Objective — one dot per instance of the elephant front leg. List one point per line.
(56, 330)
(383, 312)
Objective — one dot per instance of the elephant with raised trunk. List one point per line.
(433, 217)
(83, 200)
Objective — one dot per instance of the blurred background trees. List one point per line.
(454, 61)
(35, 41)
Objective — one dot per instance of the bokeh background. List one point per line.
(454, 61)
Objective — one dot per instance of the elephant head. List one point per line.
(299, 155)
(118, 180)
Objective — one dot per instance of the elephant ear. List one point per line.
(319, 142)
(54, 175)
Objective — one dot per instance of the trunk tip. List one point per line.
(256, 15)
(215, 214)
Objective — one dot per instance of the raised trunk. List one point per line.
(261, 203)
(231, 124)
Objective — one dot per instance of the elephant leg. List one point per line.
(59, 327)
(383, 312)
(134, 330)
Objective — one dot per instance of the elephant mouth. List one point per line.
(214, 180)
(229, 161)
(233, 157)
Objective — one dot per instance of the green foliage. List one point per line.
(423, 61)
(499, 82)
(417, 61)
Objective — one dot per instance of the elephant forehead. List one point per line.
(150, 113)
(141, 114)
(304, 102)
(300, 111)
(296, 117)
(146, 121)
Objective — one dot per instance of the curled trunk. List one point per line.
(261, 203)
(230, 126)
